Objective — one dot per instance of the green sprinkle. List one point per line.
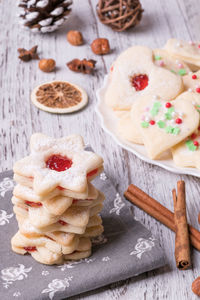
(182, 72)
(170, 110)
(169, 129)
(157, 57)
(168, 116)
(161, 124)
(176, 130)
(173, 71)
(145, 124)
(155, 109)
(191, 145)
(197, 105)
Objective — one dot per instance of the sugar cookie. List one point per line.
(164, 124)
(189, 52)
(135, 74)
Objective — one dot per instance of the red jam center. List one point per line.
(33, 204)
(58, 163)
(62, 222)
(140, 82)
(30, 249)
(93, 172)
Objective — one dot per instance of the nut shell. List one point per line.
(100, 46)
(75, 37)
(196, 286)
(47, 65)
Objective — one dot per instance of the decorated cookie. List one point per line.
(189, 52)
(128, 129)
(163, 59)
(163, 124)
(192, 82)
(59, 97)
(187, 153)
(135, 74)
(59, 163)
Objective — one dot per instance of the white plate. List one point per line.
(108, 123)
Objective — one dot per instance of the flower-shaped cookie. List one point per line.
(58, 162)
(186, 51)
(164, 124)
(134, 74)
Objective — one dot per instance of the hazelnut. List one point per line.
(196, 286)
(75, 37)
(47, 65)
(100, 46)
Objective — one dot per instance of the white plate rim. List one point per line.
(124, 145)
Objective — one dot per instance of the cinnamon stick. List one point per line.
(158, 211)
(182, 242)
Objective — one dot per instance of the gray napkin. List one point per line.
(125, 249)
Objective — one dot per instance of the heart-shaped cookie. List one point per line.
(135, 74)
(192, 82)
(187, 153)
(164, 124)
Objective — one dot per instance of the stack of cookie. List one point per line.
(55, 204)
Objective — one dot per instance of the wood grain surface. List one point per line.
(19, 119)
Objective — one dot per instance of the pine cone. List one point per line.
(44, 15)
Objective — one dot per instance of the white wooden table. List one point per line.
(19, 119)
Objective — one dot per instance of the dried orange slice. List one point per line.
(59, 97)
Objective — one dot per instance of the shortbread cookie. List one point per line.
(47, 251)
(56, 205)
(58, 162)
(128, 130)
(59, 97)
(135, 74)
(187, 153)
(192, 82)
(164, 124)
(189, 52)
(77, 215)
(162, 58)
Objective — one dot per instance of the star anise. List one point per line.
(85, 66)
(27, 55)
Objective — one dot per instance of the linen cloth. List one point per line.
(125, 249)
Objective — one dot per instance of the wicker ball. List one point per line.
(119, 14)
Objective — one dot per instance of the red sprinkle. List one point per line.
(178, 121)
(196, 143)
(194, 76)
(140, 82)
(193, 136)
(91, 173)
(62, 222)
(152, 122)
(33, 204)
(111, 69)
(30, 249)
(58, 163)
(168, 105)
(198, 90)
(199, 46)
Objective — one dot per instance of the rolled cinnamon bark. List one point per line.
(148, 204)
(182, 242)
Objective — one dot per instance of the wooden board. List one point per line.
(19, 119)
